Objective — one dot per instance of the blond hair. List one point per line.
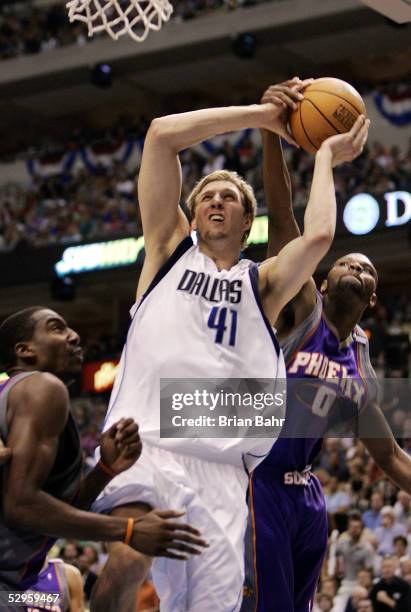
(248, 198)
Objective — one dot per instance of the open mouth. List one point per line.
(78, 355)
(216, 217)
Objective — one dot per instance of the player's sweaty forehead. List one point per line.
(358, 258)
(222, 187)
(46, 317)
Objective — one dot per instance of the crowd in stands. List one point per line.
(26, 29)
(92, 205)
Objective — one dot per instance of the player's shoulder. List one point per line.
(43, 392)
(43, 382)
(72, 572)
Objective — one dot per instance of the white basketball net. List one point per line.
(118, 17)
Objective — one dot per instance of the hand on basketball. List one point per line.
(120, 446)
(346, 147)
(5, 453)
(284, 97)
(157, 535)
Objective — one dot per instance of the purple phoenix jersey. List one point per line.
(50, 582)
(287, 533)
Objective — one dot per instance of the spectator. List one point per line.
(71, 552)
(372, 517)
(391, 592)
(365, 578)
(358, 593)
(405, 567)
(387, 531)
(402, 508)
(89, 577)
(91, 554)
(352, 555)
(336, 499)
(324, 603)
(329, 586)
(400, 547)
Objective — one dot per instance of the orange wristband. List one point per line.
(129, 530)
(106, 469)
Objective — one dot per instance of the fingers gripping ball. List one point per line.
(330, 107)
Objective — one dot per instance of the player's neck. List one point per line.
(223, 254)
(343, 317)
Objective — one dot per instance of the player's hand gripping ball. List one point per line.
(330, 106)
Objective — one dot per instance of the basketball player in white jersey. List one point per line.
(202, 313)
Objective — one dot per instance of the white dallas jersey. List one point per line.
(195, 321)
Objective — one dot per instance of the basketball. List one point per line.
(330, 107)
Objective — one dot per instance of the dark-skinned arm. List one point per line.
(383, 448)
(39, 408)
(282, 225)
(90, 487)
(120, 448)
(38, 411)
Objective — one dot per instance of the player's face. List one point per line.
(353, 274)
(54, 347)
(220, 213)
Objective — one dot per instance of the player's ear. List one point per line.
(247, 222)
(373, 300)
(324, 287)
(24, 350)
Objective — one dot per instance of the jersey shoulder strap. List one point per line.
(4, 395)
(179, 251)
(365, 368)
(299, 336)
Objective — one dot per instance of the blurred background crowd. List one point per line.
(100, 203)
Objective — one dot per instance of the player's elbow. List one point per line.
(319, 241)
(160, 135)
(388, 458)
(156, 129)
(17, 513)
(159, 129)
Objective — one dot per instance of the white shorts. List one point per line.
(213, 496)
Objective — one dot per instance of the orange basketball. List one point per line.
(330, 107)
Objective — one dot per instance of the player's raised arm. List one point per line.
(282, 226)
(159, 183)
(281, 278)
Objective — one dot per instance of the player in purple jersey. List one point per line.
(43, 492)
(58, 588)
(321, 340)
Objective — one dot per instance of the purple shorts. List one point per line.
(286, 541)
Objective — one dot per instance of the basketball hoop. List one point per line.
(118, 17)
